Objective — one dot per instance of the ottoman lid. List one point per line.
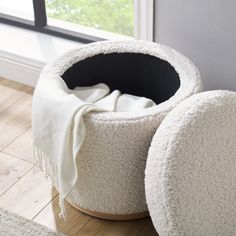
(190, 177)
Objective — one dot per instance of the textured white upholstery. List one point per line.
(191, 168)
(112, 160)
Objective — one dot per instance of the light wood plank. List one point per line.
(29, 196)
(118, 228)
(11, 170)
(71, 226)
(78, 223)
(11, 92)
(15, 120)
(22, 147)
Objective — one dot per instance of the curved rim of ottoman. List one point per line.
(190, 81)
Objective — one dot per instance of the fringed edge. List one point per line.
(47, 165)
(62, 213)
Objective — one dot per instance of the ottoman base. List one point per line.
(107, 216)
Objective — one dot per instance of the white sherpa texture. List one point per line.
(190, 177)
(112, 160)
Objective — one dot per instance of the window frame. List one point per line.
(143, 23)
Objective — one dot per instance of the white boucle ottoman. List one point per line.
(112, 160)
(191, 168)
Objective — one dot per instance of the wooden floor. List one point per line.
(29, 194)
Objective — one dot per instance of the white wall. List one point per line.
(204, 31)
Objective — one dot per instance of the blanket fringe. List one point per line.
(45, 164)
(62, 214)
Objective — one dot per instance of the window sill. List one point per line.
(23, 53)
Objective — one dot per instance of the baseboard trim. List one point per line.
(22, 71)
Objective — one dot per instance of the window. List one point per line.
(109, 15)
(22, 8)
(82, 20)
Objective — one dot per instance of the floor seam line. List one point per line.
(14, 103)
(16, 182)
(14, 156)
(44, 207)
(4, 147)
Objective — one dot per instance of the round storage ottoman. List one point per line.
(112, 159)
(191, 168)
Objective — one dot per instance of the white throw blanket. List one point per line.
(58, 128)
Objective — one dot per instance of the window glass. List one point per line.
(18, 8)
(115, 16)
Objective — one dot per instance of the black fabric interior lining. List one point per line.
(133, 73)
